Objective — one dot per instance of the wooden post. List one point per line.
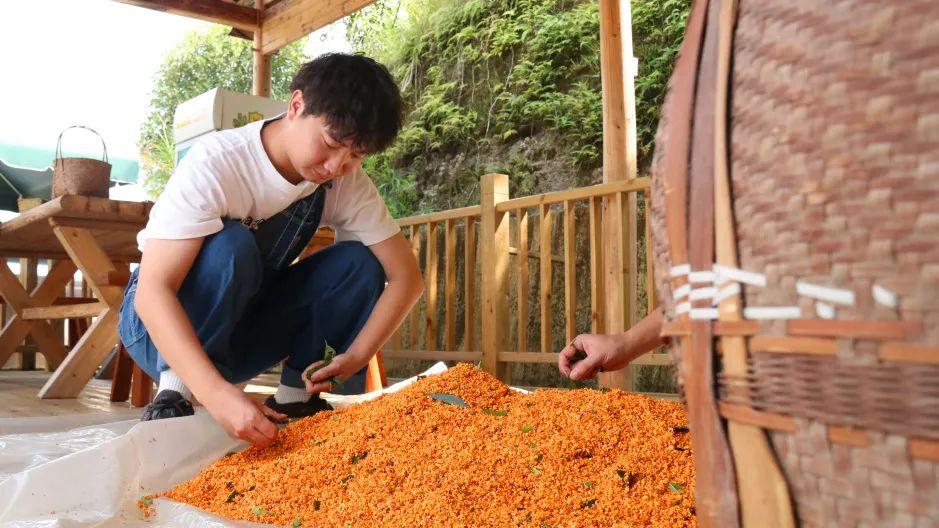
(494, 250)
(262, 64)
(469, 285)
(570, 286)
(523, 285)
(619, 163)
(414, 323)
(597, 303)
(449, 330)
(28, 277)
(430, 278)
(545, 282)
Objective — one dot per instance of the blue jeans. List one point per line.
(248, 318)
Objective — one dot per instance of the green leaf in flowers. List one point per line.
(358, 456)
(146, 499)
(328, 356)
(527, 428)
(588, 503)
(493, 412)
(231, 496)
(316, 505)
(297, 523)
(259, 511)
(536, 470)
(589, 484)
(449, 399)
(675, 487)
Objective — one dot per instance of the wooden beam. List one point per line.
(469, 283)
(214, 11)
(290, 20)
(449, 272)
(430, 272)
(523, 286)
(68, 311)
(261, 76)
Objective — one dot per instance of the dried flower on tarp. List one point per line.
(436, 465)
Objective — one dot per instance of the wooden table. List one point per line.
(94, 235)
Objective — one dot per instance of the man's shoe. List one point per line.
(298, 409)
(167, 404)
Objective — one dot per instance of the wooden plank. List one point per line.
(653, 359)
(29, 275)
(375, 377)
(450, 285)
(898, 330)
(469, 285)
(434, 355)
(925, 449)
(545, 280)
(215, 11)
(494, 243)
(536, 256)
(290, 20)
(529, 357)
(749, 416)
(415, 322)
(141, 387)
(616, 281)
(16, 329)
(907, 353)
(793, 345)
(430, 309)
(761, 485)
(523, 280)
(442, 216)
(261, 64)
(597, 298)
(580, 193)
(570, 286)
(101, 337)
(90, 223)
(79, 366)
(69, 311)
(113, 278)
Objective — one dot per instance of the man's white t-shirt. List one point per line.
(229, 175)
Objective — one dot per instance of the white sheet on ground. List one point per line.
(93, 476)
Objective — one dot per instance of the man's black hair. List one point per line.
(357, 97)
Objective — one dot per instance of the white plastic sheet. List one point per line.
(93, 476)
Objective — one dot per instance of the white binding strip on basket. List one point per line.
(681, 292)
(682, 307)
(727, 291)
(825, 293)
(679, 271)
(884, 296)
(772, 312)
(702, 276)
(824, 310)
(703, 293)
(704, 314)
(727, 273)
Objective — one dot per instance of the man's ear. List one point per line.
(295, 106)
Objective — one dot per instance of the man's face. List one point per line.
(315, 153)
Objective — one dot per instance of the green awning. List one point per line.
(122, 169)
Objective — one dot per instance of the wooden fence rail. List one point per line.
(497, 240)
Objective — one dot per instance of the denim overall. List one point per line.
(252, 307)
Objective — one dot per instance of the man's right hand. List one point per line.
(242, 417)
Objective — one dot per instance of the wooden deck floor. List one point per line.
(18, 399)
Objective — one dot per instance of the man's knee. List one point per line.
(362, 263)
(233, 248)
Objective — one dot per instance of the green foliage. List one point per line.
(483, 75)
(204, 60)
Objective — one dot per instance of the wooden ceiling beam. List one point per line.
(215, 11)
(289, 20)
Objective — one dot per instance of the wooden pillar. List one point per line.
(494, 251)
(619, 163)
(262, 64)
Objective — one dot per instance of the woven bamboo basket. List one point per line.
(795, 211)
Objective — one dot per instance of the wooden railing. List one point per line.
(481, 241)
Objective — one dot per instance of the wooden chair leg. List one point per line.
(120, 381)
(141, 387)
(375, 378)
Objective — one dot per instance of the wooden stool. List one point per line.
(130, 381)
